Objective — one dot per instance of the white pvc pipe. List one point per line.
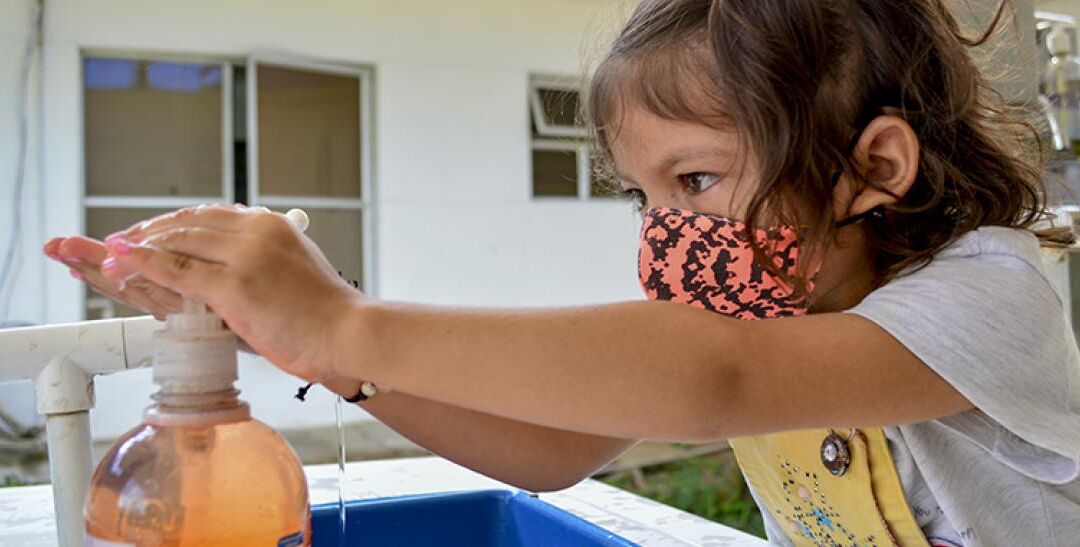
(97, 347)
(69, 468)
(65, 395)
(62, 361)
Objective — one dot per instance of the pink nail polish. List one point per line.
(77, 275)
(109, 263)
(121, 246)
(55, 257)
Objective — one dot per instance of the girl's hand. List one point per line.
(270, 284)
(83, 256)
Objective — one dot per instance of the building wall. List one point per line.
(27, 297)
(24, 299)
(456, 223)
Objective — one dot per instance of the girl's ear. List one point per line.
(887, 155)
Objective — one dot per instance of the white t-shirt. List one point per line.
(984, 316)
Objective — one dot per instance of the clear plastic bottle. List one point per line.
(1061, 83)
(198, 470)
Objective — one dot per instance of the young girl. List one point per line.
(834, 166)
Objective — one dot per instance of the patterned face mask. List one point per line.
(707, 261)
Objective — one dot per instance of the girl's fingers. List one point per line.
(139, 301)
(90, 258)
(91, 274)
(131, 298)
(80, 250)
(226, 218)
(201, 243)
(136, 291)
(181, 273)
(88, 261)
(52, 248)
(115, 273)
(161, 301)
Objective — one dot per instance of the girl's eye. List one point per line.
(698, 182)
(636, 195)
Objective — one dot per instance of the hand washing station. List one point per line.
(422, 501)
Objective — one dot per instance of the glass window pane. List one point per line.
(340, 235)
(554, 173)
(152, 128)
(99, 224)
(309, 133)
(560, 107)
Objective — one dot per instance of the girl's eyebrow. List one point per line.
(680, 156)
(690, 154)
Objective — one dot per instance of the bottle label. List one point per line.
(292, 540)
(92, 541)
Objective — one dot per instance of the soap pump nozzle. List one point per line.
(196, 353)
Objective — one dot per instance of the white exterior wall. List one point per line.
(451, 132)
(1064, 7)
(27, 295)
(456, 222)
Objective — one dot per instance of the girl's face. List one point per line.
(692, 166)
(683, 165)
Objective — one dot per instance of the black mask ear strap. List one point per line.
(876, 213)
(861, 122)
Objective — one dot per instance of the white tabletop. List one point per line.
(26, 513)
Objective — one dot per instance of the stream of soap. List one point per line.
(338, 403)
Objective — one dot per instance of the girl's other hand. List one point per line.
(84, 258)
(270, 283)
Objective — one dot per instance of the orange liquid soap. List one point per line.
(198, 470)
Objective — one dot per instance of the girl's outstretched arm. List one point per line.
(637, 370)
(646, 369)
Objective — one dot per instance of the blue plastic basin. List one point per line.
(484, 518)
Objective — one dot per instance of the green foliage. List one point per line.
(708, 486)
(11, 480)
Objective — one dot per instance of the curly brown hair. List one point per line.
(797, 79)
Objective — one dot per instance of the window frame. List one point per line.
(536, 106)
(365, 204)
(560, 138)
(581, 149)
(134, 201)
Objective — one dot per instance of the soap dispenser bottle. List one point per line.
(198, 470)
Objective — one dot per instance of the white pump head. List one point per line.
(195, 353)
